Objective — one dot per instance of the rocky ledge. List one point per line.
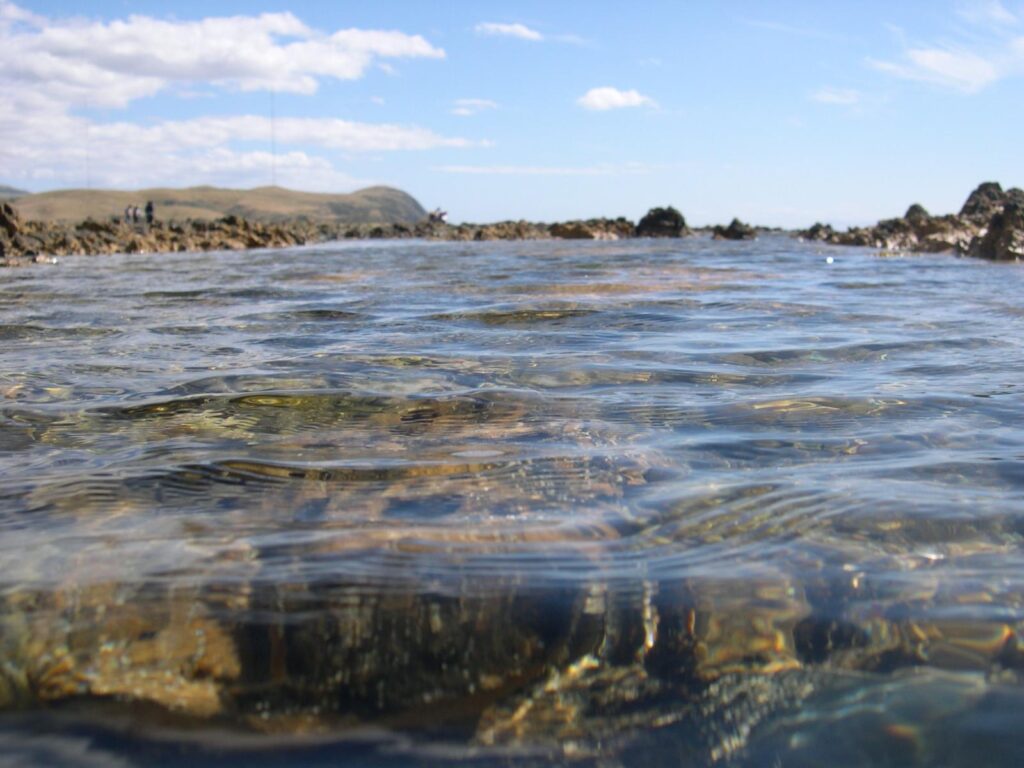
(24, 242)
(990, 225)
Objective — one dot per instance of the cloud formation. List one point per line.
(110, 64)
(182, 151)
(844, 97)
(546, 170)
(605, 98)
(520, 31)
(992, 50)
(986, 12)
(961, 70)
(49, 68)
(469, 107)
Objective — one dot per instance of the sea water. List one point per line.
(600, 503)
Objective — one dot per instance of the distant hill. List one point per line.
(9, 193)
(371, 205)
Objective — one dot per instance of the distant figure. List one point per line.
(135, 214)
(149, 211)
(127, 214)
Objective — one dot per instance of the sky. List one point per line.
(780, 113)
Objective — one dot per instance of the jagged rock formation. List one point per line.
(986, 227)
(984, 202)
(1004, 238)
(917, 212)
(662, 222)
(736, 230)
(9, 220)
(22, 242)
(593, 229)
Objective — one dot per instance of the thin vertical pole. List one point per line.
(273, 139)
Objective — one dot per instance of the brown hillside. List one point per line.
(371, 205)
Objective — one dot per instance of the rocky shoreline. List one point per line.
(24, 242)
(990, 225)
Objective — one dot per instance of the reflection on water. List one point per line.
(600, 503)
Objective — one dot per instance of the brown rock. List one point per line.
(9, 220)
(573, 230)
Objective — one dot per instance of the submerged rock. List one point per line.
(662, 222)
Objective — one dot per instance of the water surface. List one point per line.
(641, 502)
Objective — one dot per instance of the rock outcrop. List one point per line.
(917, 213)
(984, 202)
(986, 227)
(662, 222)
(736, 230)
(9, 221)
(1004, 238)
(593, 229)
(22, 242)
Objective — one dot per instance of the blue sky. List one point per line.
(780, 113)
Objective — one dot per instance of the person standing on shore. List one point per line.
(127, 214)
(135, 214)
(149, 212)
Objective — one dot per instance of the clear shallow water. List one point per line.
(398, 503)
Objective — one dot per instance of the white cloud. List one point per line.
(839, 96)
(984, 52)
(601, 99)
(958, 69)
(986, 12)
(49, 67)
(520, 31)
(469, 107)
(110, 64)
(545, 170)
(201, 150)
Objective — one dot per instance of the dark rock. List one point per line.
(662, 222)
(1004, 240)
(9, 221)
(985, 201)
(916, 213)
(736, 230)
(818, 231)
